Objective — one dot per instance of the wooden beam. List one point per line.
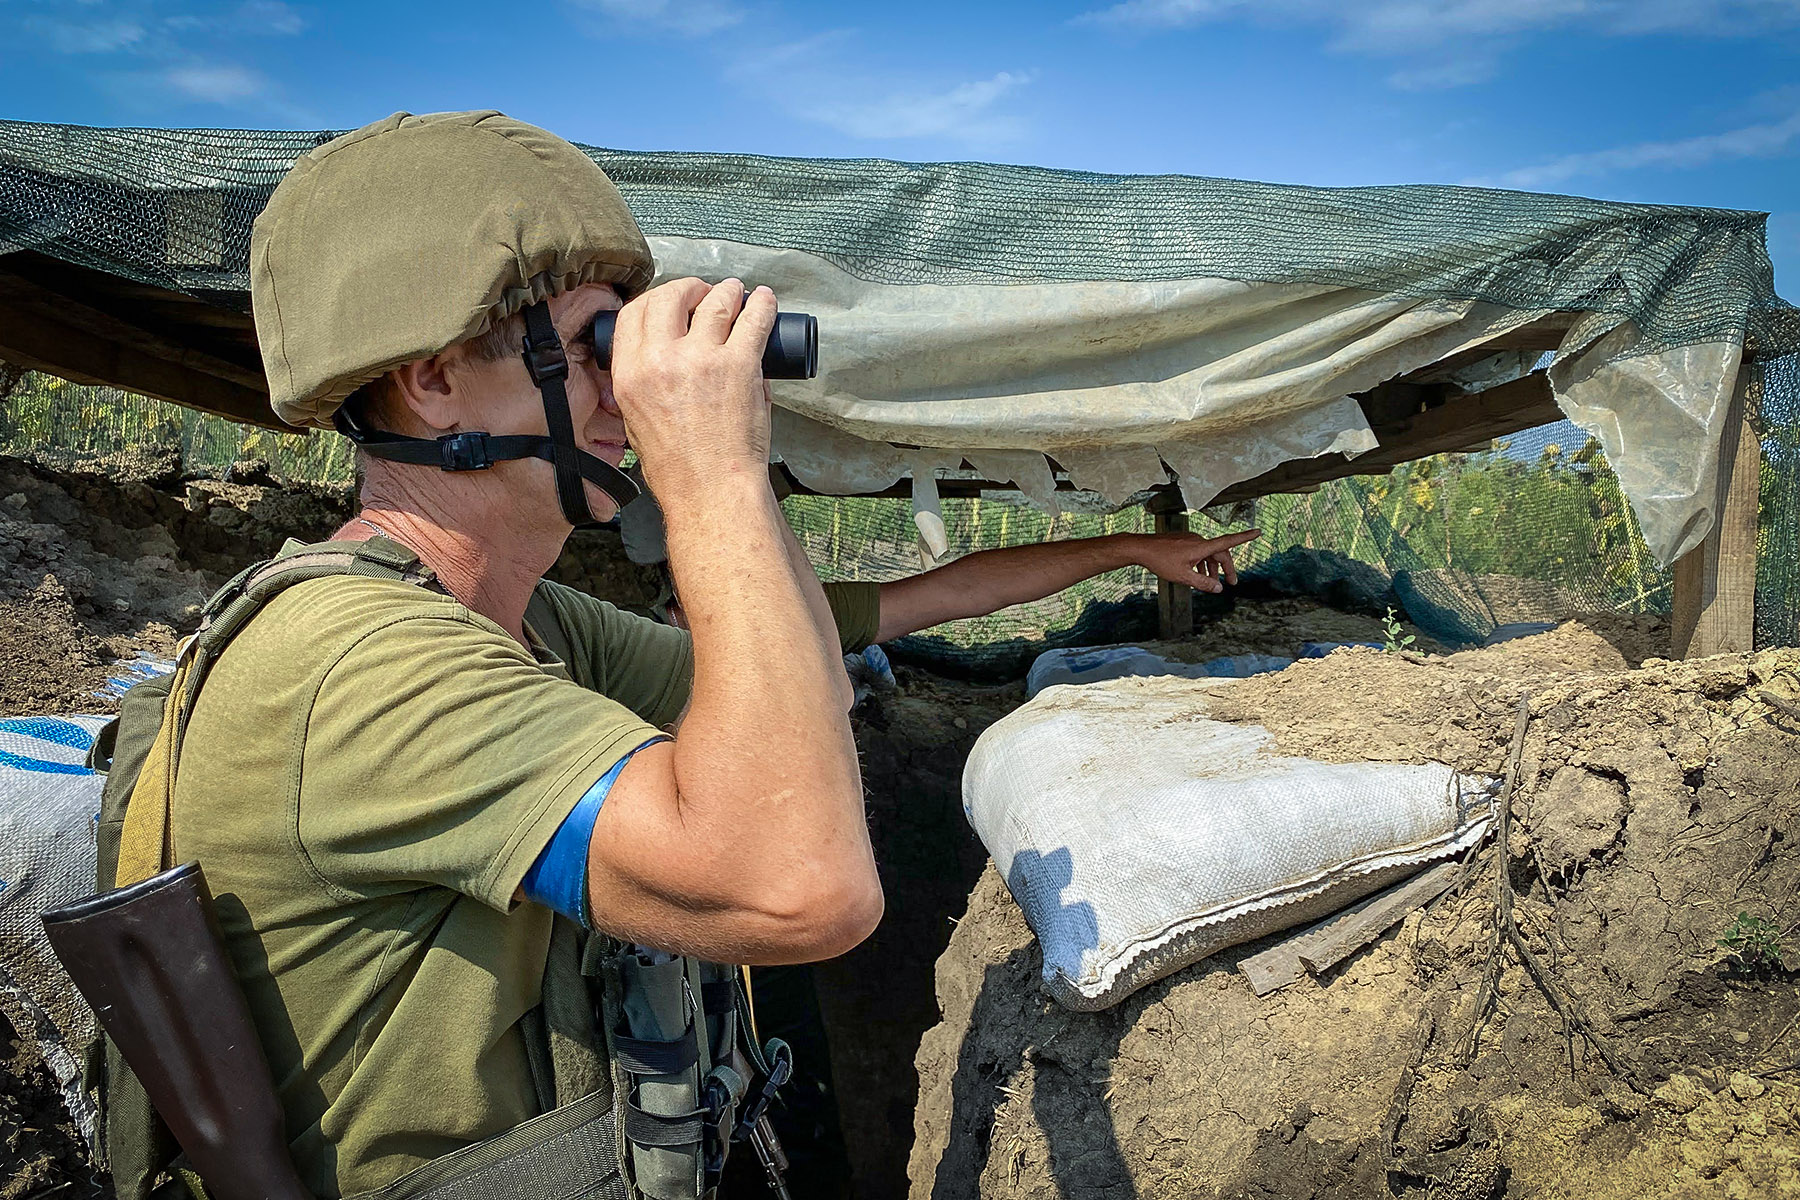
(1545, 333)
(1457, 424)
(1321, 947)
(1715, 584)
(34, 337)
(17, 292)
(1174, 601)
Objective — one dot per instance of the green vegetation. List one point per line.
(1391, 630)
(1557, 518)
(1755, 945)
(66, 422)
(1547, 515)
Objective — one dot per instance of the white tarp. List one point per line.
(48, 804)
(1217, 379)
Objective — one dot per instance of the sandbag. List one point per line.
(1140, 836)
(48, 802)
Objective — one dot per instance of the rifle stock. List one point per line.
(151, 962)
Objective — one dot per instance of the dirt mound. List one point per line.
(1278, 626)
(1654, 806)
(98, 567)
(41, 1155)
(94, 568)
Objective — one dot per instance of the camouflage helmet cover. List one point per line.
(404, 237)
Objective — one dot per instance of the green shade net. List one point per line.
(173, 208)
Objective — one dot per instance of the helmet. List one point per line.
(401, 239)
(407, 236)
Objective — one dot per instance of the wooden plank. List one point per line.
(1715, 583)
(10, 376)
(1321, 947)
(1174, 601)
(1545, 333)
(35, 339)
(1457, 424)
(19, 293)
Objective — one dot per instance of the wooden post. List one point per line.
(1715, 584)
(1174, 601)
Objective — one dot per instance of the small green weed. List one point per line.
(1392, 630)
(1755, 945)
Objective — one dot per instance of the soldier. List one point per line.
(393, 785)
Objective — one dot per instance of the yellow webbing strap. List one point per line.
(147, 841)
(750, 1004)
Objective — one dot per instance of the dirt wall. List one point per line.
(1654, 805)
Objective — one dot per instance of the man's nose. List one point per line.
(608, 403)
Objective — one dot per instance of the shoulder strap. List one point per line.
(146, 845)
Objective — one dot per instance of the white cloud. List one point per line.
(1750, 141)
(269, 17)
(1377, 24)
(155, 51)
(102, 36)
(826, 79)
(962, 111)
(1460, 71)
(688, 18)
(136, 27)
(1458, 41)
(823, 79)
(215, 83)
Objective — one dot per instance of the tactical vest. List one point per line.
(641, 1061)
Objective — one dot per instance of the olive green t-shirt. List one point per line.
(368, 773)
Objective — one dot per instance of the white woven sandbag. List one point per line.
(1139, 836)
(48, 803)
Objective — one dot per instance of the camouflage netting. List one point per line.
(1535, 528)
(173, 208)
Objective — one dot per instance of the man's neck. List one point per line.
(492, 575)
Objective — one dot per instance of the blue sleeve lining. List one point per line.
(558, 879)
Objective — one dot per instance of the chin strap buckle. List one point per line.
(465, 451)
(545, 360)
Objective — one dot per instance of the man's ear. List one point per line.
(424, 388)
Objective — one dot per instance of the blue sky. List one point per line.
(1672, 101)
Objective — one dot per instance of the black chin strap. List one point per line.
(476, 451)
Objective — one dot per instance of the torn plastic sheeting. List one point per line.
(1213, 381)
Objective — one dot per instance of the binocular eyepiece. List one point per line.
(792, 352)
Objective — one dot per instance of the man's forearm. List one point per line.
(823, 621)
(765, 760)
(988, 580)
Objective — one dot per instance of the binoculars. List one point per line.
(792, 352)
